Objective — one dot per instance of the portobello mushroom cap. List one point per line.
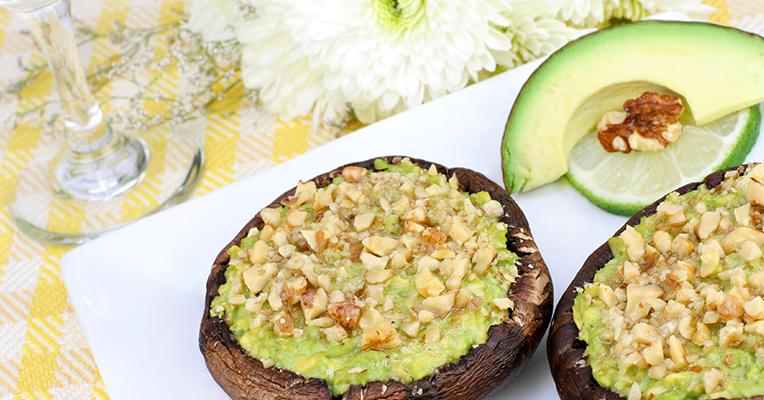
(565, 351)
(477, 374)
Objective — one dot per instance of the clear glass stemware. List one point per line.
(99, 167)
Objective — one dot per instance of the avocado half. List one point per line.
(478, 373)
(565, 352)
(716, 69)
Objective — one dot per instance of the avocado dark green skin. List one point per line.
(572, 374)
(480, 372)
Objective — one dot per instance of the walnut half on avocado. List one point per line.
(391, 278)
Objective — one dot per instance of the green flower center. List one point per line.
(399, 14)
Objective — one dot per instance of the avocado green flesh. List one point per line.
(744, 375)
(311, 355)
(716, 70)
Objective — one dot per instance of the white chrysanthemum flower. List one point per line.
(379, 57)
(213, 19)
(535, 32)
(594, 13)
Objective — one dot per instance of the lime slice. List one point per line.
(625, 183)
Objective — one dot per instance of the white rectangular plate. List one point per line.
(139, 291)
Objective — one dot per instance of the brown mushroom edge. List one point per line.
(477, 374)
(565, 351)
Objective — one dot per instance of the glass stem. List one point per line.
(99, 163)
(52, 28)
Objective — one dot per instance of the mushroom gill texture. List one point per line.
(477, 374)
(565, 352)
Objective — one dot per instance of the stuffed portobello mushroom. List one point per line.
(392, 278)
(671, 307)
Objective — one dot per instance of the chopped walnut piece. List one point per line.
(740, 235)
(459, 231)
(754, 308)
(428, 284)
(335, 334)
(378, 276)
(629, 271)
(303, 194)
(433, 236)
(731, 334)
(650, 123)
(271, 216)
(743, 214)
(425, 316)
(258, 254)
(439, 305)
(372, 262)
(750, 251)
(355, 250)
(635, 244)
(638, 300)
(346, 313)
(361, 222)
(411, 327)
(399, 258)
(754, 193)
(310, 238)
(293, 290)
(321, 322)
(382, 336)
(380, 245)
(314, 303)
(463, 298)
(493, 208)
(417, 215)
(483, 258)
(668, 208)
(644, 333)
(412, 227)
(442, 254)
(755, 327)
(458, 270)
(712, 380)
(353, 173)
(283, 324)
(429, 263)
(653, 353)
(662, 241)
(257, 277)
(237, 300)
(709, 221)
(635, 393)
(266, 233)
(296, 218)
(731, 308)
(677, 352)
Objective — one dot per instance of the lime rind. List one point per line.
(739, 142)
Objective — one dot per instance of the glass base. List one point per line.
(56, 212)
(104, 177)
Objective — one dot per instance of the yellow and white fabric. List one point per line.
(43, 352)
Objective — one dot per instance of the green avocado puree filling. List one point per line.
(678, 312)
(384, 274)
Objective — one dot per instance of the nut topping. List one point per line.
(680, 290)
(385, 258)
(649, 123)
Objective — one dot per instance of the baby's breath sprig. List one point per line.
(165, 75)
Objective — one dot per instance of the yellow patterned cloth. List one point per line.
(43, 352)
